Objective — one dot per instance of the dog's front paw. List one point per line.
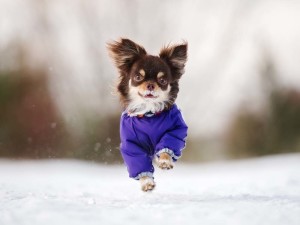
(147, 183)
(165, 161)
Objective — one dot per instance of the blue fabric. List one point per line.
(143, 137)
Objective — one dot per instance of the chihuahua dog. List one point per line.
(151, 125)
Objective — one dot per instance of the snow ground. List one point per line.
(257, 191)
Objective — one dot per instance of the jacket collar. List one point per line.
(147, 114)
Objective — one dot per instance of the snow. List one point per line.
(256, 191)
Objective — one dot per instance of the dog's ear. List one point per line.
(175, 56)
(124, 53)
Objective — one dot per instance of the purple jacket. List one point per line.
(143, 137)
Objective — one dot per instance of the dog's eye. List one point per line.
(162, 81)
(138, 77)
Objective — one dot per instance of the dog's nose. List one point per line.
(150, 87)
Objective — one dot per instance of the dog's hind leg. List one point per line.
(147, 183)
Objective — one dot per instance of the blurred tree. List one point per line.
(29, 123)
(246, 135)
(31, 127)
(284, 122)
(98, 140)
(275, 130)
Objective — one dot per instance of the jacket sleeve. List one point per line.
(174, 140)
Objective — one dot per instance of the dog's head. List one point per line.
(148, 83)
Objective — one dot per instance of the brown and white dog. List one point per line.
(148, 85)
